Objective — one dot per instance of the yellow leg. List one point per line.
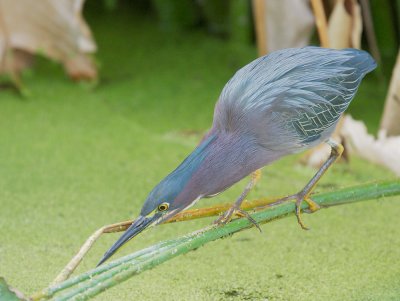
(255, 177)
(304, 194)
(235, 209)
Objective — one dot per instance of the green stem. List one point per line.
(100, 279)
(139, 255)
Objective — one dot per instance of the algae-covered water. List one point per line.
(75, 157)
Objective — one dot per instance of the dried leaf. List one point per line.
(54, 28)
(345, 25)
(391, 115)
(286, 23)
(384, 150)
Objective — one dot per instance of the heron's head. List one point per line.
(159, 206)
(172, 195)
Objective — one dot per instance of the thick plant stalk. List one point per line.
(259, 24)
(320, 22)
(345, 25)
(93, 282)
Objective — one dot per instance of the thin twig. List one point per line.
(74, 262)
(122, 226)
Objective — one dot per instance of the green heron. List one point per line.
(279, 104)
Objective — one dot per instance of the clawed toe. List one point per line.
(312, 207)
(299, 198)
(298, 214)
(226, 217)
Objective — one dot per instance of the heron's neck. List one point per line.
(195, 159)
(178, 179)
(219, 161)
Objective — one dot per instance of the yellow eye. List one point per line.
(163, 206)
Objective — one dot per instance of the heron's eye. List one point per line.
(163, 206)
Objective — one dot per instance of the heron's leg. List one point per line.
(304, 194)
(235, 209)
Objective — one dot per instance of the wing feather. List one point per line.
(292, 98)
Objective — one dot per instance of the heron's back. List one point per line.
(292, 99)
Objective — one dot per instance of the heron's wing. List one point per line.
(293, 97)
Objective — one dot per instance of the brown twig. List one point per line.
(75, 261)
(122, 226)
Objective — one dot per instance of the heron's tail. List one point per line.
(361, 60)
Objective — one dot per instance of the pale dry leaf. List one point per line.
(53, 28)
(391, 114)
(288, 24)
(383, 150)
(345, 25)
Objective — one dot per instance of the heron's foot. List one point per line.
(298, 198)
(312, 207)
(226, 217)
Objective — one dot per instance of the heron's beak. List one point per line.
(137, 226)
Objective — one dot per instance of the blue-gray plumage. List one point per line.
(279, 104)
